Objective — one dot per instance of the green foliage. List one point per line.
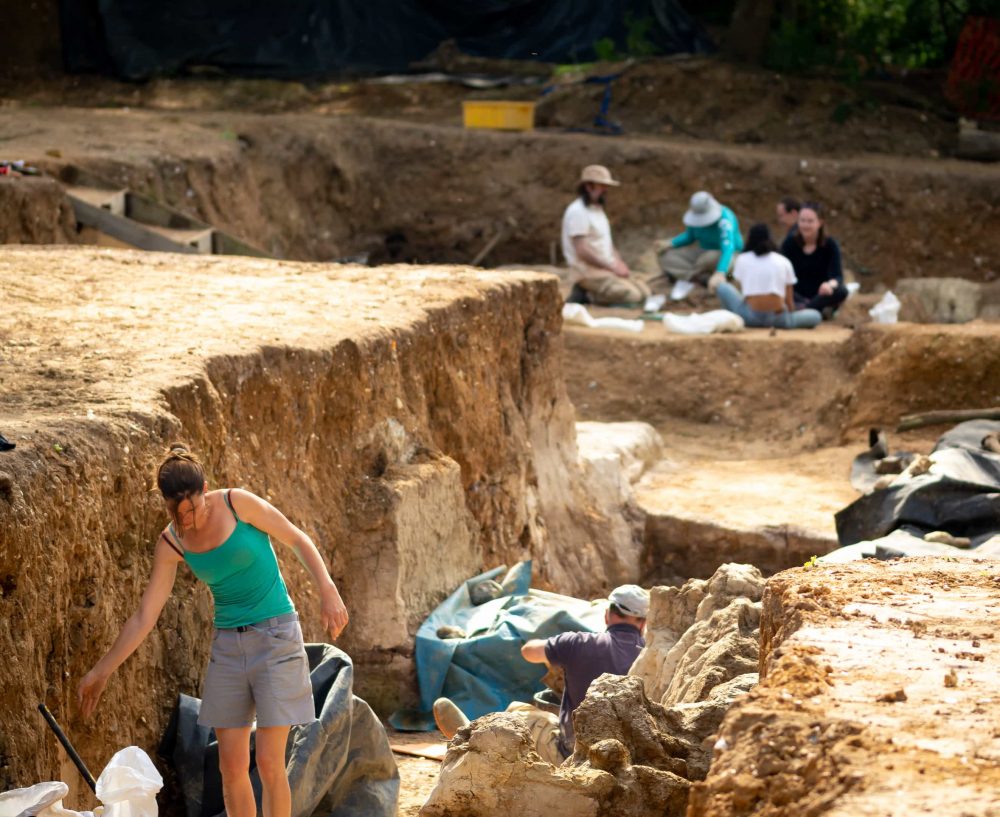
(637, 42)
(860, 37)
(606, 50)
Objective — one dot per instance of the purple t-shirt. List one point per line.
(584, 656)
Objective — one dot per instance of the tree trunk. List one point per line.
(749, 28)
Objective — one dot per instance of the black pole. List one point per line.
(77, 760)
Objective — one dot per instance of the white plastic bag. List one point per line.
(886, 310)
(128, 785)
(578, 314)
(705, 323)
(40, 800)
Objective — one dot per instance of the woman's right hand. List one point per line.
(89, 692)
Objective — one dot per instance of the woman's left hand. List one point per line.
(333, 612)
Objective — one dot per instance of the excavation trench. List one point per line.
(401, 413)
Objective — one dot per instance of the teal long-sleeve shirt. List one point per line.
(724, 236)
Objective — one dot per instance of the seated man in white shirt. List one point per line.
(595, 265)
(766, 279)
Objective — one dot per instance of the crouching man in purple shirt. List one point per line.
(583, 657)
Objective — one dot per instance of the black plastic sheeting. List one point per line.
(140, 39)
(338, 766)
(960, 495)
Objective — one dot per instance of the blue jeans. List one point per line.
(799, 319)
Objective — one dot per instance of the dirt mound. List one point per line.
(876, 696)
(318, 188)
(735, 103)
(35, 211)
(709, 99)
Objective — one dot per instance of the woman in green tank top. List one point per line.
(258, 668)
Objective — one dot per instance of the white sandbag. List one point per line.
(128, 785)
(886, 310)
(578, 314)
(705, 323)
(40, 800)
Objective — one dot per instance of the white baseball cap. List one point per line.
(631, 600)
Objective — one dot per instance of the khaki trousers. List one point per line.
(606, 288)
(690, 263)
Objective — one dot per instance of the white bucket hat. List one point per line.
(703, 210)
(598, 174)
(631, 600)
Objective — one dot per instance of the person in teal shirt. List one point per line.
(705, 251)
(258, 671)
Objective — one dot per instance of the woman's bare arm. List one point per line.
(135, 630)
(264, 516)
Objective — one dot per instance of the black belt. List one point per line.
(274, 621)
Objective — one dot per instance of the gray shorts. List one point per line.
(260, 667)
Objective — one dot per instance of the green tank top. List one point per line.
(243, 575)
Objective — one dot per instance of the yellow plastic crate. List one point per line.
(499, 115)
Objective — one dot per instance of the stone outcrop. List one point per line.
(613, 457)
(492, 770)
(701, 634)
(952, 300)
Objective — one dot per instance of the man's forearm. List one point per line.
(533, 651)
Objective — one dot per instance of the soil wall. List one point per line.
(311, 187)
(793, 391)
(35, 211)
(876, 696)
(412, 420)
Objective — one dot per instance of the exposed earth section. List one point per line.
(878, 695)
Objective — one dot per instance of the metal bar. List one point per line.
(77, 760)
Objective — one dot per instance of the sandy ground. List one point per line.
(417, 775)
(878, 697)
(803, 490)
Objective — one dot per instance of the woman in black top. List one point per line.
(815, 258)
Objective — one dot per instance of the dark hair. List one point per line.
(180, 475)
(817, 208)
(581, 191)
(617, 611)
(790, 203)
(759, 240)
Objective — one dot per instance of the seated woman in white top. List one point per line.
(766, 280)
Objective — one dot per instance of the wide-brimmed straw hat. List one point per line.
(703, 210)
(598, 174)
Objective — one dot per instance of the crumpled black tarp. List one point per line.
(139, 39)
(960, 495)
(339, 766)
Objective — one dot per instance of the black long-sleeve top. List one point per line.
(822, 264)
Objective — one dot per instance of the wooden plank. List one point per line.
(431, 751)
(200, 238)
(111, 200)
(124, 229)
(225, 244)
(140, 208)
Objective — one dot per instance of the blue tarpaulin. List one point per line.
(484, 672)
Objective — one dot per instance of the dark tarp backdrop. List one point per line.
(140, 39)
